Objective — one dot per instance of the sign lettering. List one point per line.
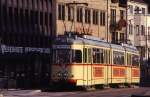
(12, 49)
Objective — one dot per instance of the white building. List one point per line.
(138, 26)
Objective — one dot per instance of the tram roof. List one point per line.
(118, 47)
(130, 48)
(82, 40)
(90, 40)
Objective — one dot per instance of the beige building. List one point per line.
(117, 21)
(90, 17)
(82, 17)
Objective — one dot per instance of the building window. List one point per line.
(61, 12)
(143, 10)
(87, 16)
(130, 29)
(122, 37)
(137, 29)
(149, 33)
(95, 17)
(122, 14)
(79, 14)
(113, 16)
(70, 13)
(142, 30)
(115, 37)
(137, 10)
(102, 18)
(131, 9)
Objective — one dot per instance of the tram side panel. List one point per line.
(135, 69)
(135, 73)
(128, 63)
(118, 68)
(129, 81)
(99, 68)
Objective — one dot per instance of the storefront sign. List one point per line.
(61, 47)
(40, 50)
(13, 49)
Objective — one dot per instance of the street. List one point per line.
(123, 92)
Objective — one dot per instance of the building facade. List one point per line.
(139, 34)
(25, 30)
(138, 26)
(81, 17)
(117, 20)
(97, 18)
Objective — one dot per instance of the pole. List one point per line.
(126, 38)
(147, 53)
(107, 21)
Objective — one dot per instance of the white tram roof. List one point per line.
(118, 47)
(88, 40)
(130, 48)
(91, 40)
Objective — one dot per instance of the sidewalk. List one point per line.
(147, 93)
(20, 93)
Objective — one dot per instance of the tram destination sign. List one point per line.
(13, 49)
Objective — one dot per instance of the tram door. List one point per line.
(87, 67)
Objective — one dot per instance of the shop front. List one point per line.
(24, 67)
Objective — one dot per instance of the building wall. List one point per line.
(25, 22)
(116, 34)
(138, 18)
(97, 30)
(148, 36)
(135, 19)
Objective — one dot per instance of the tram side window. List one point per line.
(77, 56)
(135, 60)
(89, 56)
(98, 55)
(118, 58)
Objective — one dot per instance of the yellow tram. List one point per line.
(89, 61)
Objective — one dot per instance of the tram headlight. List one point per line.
(65, 74)
(59, 74)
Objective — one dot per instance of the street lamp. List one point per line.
(107, 20)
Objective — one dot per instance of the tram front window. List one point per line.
(77, 56)
(135, 60)
(62, 56)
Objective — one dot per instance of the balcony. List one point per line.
(118, 26)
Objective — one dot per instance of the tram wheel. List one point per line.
(89, 88)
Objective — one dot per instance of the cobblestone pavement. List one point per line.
(123, 92)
